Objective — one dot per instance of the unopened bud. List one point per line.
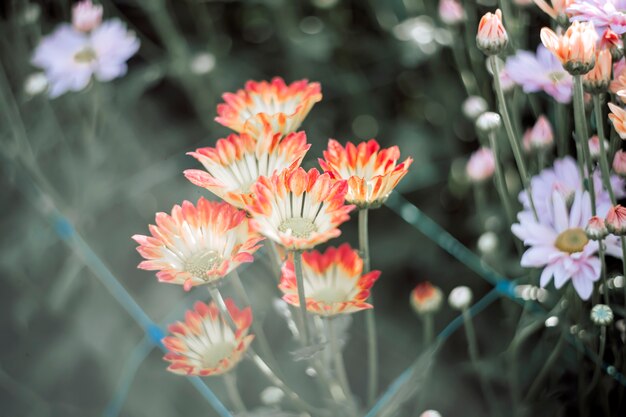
(426, 298)
(86, 16)
(460, 298)
(596, 229)
(619, 163)
(489, 122)
(616, 220)
(491, 37)
(481, 165)
(474, 106)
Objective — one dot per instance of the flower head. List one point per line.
(619, 163)
(474, 106)
(596, 229)
(488, 122)
(540, 72)
(197, 245)
(86, 16)
(204, 344)
(616, 220)
(481, 165)
(291, 102)
(491, 37)
(594, 146)
(618, 118)
(71, 58)
(602, 13)
(597, 80)
(372, 173)
(460, 297)
(333, 281)
(576, 48)
(451, 12)
(236, 162)
(601, 315)
(426, 298)
(540, 137)
(299, 209)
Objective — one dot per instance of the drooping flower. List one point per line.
(616, 220)
(197, 245)
(540, 72)
(481, 165)
(576, 48)
(426, 298)
(562, 248)
(275, 98)
(236, 162)
(299, 209)
(334, 282)
(70, 59)
(597, 80)
(451, 12)
(556, 10)
(602, 13)
(86, 16)
(372, 173)
(491, 37)
(619, 163)
(540, 136)
(618, 118)
(204, 344)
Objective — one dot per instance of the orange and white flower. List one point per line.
(197, 245)
(618, 118)
(576, 48)
(371, 173)
(204, 344)
(333, 281)
(491, 37)
(597, 80)
(299, 209)
(293, 102)
(236, 163)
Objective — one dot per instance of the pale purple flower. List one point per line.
(70, 58)
(562, 249)
(602, 13)
(540, 72)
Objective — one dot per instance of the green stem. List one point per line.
(604, 166)
(233, 393)
(340, 368)
(596, 372)
(605, 287)
(370, 323)
(503, 192)
(508, 126)
(221, 305)
(467, 75)
(554, 356)
(480, 201)
(582, 136)
(297, 266)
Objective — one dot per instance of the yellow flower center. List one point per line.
(298, 227)
(85, 56)
(200, 263)
(571, 240)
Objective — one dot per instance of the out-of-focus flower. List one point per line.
(299, 209)
(236, 163)
(371, 173)
(71, 58)
(430, 413)
(619, 163)
(488, 242)
(576, 48)
(618, 118)
(597, 80)
(202, 63)
(540, 137)
(204, 344)
(86, 16)
(272, 395)
(451, 12)
(197, 245)
(616, 220)
(293, 102)
(481, 165)
(594, 146)
(36, 83)
(556, 10)
(474, 106)
(596, 229)
(613, 42)
(460, 298)
(488, 122)
(523, 3)
(426, 298)
(601, 315)
(564, 178)
(619, 78)
(540, 72)
(561, 248)
(602, 13)
(333, 281)
(491, 37)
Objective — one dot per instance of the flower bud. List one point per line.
(619, 163)
(618, 118)
(460, 298)
(594, 146)
(426, 298)
(576, 48)
(613, 42)
(86, 16)
(596, 229)
(474, 106)
(616, 220)
(430, 413)
(451, 12)
(540, 137)
(488, 243)
(489, 122)
(481, 165)
(597, 80)
(36, 83)
(491, 37)
(601, 315)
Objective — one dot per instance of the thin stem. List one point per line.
(596, 373)
(554, 356)
(221, 305)
(604, 166)
(508, 126)
(276, 261)
(467, 75)
(605, 287)
(340, 368)
(230, 380)
(500, 181)
(297, 265)
(370, 323)
(582, 136)
(480, 201)
(561, 124)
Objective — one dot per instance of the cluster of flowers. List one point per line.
(266, 195)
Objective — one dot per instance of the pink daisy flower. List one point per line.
(540, 72)
(71, 58)
(602, 13)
